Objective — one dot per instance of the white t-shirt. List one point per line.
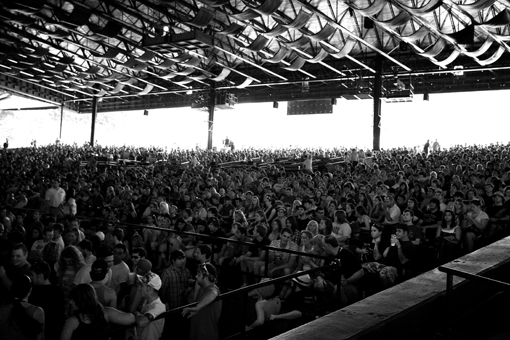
(394, 214)
(83, 276)
(342, 230)
(154, 308)
(481, 216)
(90, 259)
(55, 197)
(120, 274)
(154, 329)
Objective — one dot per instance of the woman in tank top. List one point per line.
(91, 319)
(448, 238)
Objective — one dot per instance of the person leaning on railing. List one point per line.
(206, 314)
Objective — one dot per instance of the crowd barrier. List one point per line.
(421, 307)
(244, 290)
(201, 236)
(230, 294)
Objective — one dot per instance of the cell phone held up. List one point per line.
(393, 239)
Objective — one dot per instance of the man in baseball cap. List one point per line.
(150, 279)
(147, 326)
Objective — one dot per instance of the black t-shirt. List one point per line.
(302, 301)
(347, 265)
(497, 211)
(415, 233)
(302, 223)
(51, 299)
(392, 259)
(218, 244)
(227, 211)
(488, 200)
(430, 218)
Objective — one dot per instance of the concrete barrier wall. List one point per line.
(415, 309)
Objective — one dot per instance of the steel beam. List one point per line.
(377, 103)
(61, 120)
(93, 123)
(210, 121)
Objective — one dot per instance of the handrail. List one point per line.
(139, 226)
(476, 278)
(450, 272)
(250, 288)
(223, 296)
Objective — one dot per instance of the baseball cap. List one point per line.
(144, 266)
(151, 279)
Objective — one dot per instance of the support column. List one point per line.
(377, 103)
(61, 120)
(93, 126)
(211, 105)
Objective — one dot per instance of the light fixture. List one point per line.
(458, 71)
(333, 101)
(275, 104)
(426, 96)
(305, 85)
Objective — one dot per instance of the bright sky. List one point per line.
(471, 117)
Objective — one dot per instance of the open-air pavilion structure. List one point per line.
(94, 56)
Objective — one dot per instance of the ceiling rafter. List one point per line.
(34, 28)
(352, 35)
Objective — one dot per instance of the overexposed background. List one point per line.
(458, 118)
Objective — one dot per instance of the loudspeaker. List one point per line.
(368, 23)
(426, 96)
(403, 46)
(145, 112)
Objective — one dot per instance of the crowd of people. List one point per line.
(85, 244)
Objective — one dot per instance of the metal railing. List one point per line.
(243, 290)
(201, 236)
(450, 273)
